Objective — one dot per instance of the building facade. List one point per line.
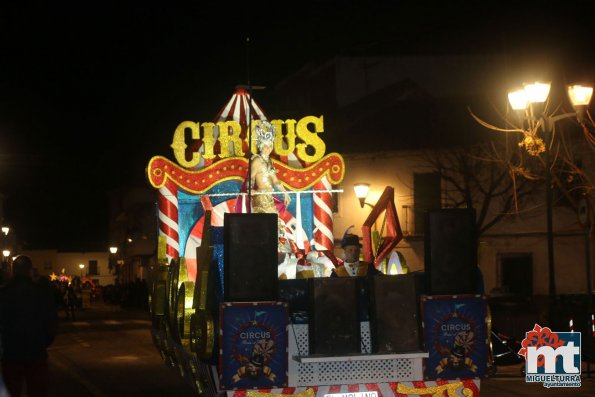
(512, 254)
(382, 112)
(91, 265)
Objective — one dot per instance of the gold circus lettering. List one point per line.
(301, 136)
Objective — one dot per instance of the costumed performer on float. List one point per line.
(264, 174)
(263, 180)
(351, 266)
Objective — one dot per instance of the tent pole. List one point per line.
(249, 209)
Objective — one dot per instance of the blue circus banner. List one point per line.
(253, 340)
(455, 336)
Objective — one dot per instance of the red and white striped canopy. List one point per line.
(238, 109)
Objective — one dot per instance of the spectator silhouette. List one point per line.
(71, 301)
(28, 325)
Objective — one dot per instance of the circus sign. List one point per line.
(206, 180)
(209, 170)
(225, 139)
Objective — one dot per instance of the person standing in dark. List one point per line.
(71, 301)
(28, 325)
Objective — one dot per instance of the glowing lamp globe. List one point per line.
(361, 192)
(537, 92)
(580, 95)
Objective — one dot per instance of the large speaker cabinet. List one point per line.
(334, 327)
(450, 243)
(394, 314)
(250, 257)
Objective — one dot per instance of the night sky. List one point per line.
(89, 91)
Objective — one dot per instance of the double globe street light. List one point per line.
(528, 103)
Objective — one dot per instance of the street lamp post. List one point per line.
(116, 261)
(5, 250)
(5, 259)
(526, 101)
(584, 216)
(81, 266)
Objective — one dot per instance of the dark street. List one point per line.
(108, 351)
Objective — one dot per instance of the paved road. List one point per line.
(108, 352)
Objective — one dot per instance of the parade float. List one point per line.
(278, 333)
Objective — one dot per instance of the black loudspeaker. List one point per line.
(334, 328)
(250, 257)
(295, 293)
(394, 314)
(450, 245)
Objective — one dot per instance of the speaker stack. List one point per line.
(295, 293)
(450, 245)
(250, 257)
(334, 327)
(394, 314)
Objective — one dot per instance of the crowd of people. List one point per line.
(134, 294)
(75, 295)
